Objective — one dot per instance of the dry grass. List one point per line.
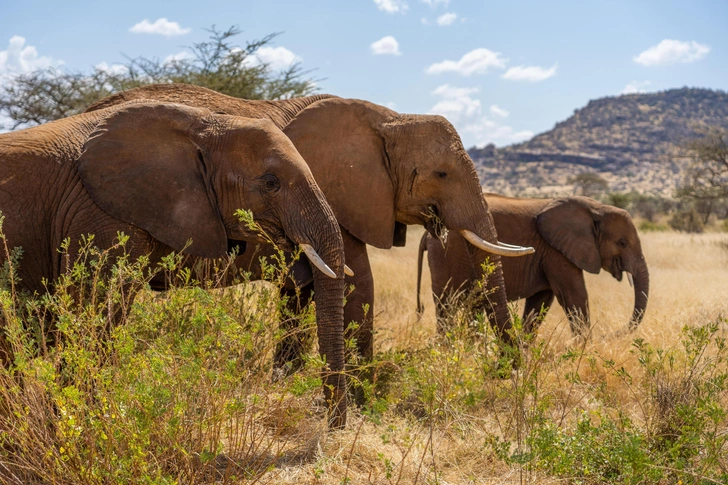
(688, 281)
(441, 437)
(689, 277)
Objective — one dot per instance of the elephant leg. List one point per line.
(289, 351)
(359, 310)
(573, 298)
(534, 305)
(359, 300)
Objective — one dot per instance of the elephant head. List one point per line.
(382, 170)
(181, 173)
(593, 236)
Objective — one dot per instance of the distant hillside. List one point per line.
(631, 140)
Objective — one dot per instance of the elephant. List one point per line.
(380, 171)
(165, 174)
(570, 235)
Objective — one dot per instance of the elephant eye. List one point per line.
(270, 183)
(441, 174)
(622, 243)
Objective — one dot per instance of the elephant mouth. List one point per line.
(433, 222)
(617, 268)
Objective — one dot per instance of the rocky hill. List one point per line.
(633, 141)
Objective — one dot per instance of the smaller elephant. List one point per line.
(570, 235)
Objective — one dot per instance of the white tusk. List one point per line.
(317, 261)
(629, 278)
(480, 243)
(348, 271)
(506, 245)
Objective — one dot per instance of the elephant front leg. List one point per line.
(288, 356)
(359, 291)
(535, 304)
(573, 298)
(359, 311)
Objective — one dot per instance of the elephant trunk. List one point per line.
(498, 303)
(641, 278)
(309, 224)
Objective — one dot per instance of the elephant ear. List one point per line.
(141, 166)
(348, 161)
(571, 227)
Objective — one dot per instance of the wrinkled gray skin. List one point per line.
(380, 171)
(570, 236)
(164, 174)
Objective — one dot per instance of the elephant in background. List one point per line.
(380, 171)
(570, 235)
(164, 174)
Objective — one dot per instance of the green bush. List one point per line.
(687, 221)
(156, 389)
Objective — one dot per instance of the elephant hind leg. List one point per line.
(536, 305)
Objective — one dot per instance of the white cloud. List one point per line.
(477, 61)
(20, 58)
(465, 112)
(386, 45)
(161, 26)
(498, 111)
(456, 104)
(636, 87)
(671, 51)
(392, 6)
(118, 69)
(529, 73)
(425, 21)
(180, 56)
(487, 131)
(277, 58)
(436, 3)
(446, 19)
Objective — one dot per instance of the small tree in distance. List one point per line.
(706, 176)
(589, 184)
(49, 94)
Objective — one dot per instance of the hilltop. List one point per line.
(632, 140)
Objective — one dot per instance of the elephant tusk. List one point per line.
(348, 271)
(480, 243)
(629, 278)
(317, 261)
(506, 245)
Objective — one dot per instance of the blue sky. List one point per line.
(500, 71)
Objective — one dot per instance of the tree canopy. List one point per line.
(217, 63)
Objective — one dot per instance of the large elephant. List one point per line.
(570, 235)
(164, 174)
(380, 171)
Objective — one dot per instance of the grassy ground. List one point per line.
(184, 392)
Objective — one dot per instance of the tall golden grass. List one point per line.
(437, 413)
(689, 287)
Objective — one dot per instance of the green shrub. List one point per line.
(156, 389)
(687, 221)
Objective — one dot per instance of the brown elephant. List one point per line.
(570, 235)
(164, 174)
(380, 171)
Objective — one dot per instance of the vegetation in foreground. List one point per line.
(182, 390)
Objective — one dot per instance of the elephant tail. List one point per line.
(420, 252)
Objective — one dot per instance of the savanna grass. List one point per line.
(108, 382)
(178, 387)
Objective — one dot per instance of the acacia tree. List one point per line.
(706, 175)
(217, 63)
(589, 184)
